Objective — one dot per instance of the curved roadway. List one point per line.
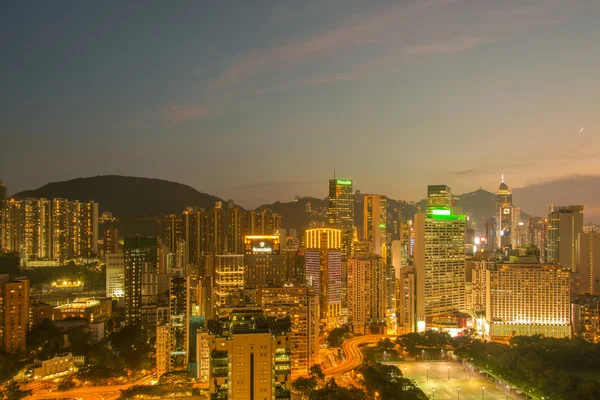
(353, 355)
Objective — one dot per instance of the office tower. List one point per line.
(491, 232)
(375, 223)
(341, 211)
(263, 261)
(74, 229)
(292, 262)
(196, 233)
(439, 257)
(504, 216)
(115, 275)
(234, 230)
(111, 240)
(528, 299)
(248, 357)
(405, 300)
(323, 261)
(229, 278)
(262, 222)
(170, 229)
(537, 230)
(367, 300)
(565, 223)
(26, 229)
(588, 263)
(141, 283)
(216, 231)
(301, 305)
(14, 314)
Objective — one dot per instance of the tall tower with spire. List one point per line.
(504, 215)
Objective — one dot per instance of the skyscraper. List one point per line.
(262, 261)
(246, 356)
(588, 263)
(565, 223)
(111, 240)
(26, 228)
(301, 305)
(375, 223)
(216, 231)
(367, 288)
(439, 257)
(528, 299)
(170, 231)
(74, 229)
(537, 231)
(504, 216)
(3, 193)
(341, 211)
(141, 282)
(323, 260)
(196, 233)
(234, 229)
(14, 314)
(115, 275)
(229, 278)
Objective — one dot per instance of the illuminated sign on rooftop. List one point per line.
(343, 182)
(440, 212)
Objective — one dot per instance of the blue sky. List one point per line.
(258, 100)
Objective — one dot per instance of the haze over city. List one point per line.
(258, 102)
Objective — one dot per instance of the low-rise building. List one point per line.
(59, 365)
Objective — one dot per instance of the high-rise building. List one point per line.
(248, 356)
(170, 231)
(439, 257)
(504, 216)
(367, 300)
(14, 314)
(341, 211)
(141, 282)
(262, 261)
(229, 278)
(323, 261)
(196, 233)
(111, 240)
(216, 230)
(537, 230)
(301, 305)
(528, 299)
(179, 307)
(3, 193)
(234, 229)
(588, 263)
(74, 229)
(115, 275)
(565, 223)
(375, 223)
(405, 300)
(163, 351)
(26, 229)
(477, 277)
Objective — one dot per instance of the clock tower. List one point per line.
(504, 216)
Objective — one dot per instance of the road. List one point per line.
(89, 393)
(353, 355)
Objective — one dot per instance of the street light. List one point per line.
(448, 372)
(458, 393)
(427, 368)
(482, 393)
(405, 372)
(433, 393)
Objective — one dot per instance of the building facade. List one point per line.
(341, 211)
(14, 314)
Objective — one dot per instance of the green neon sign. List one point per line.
(382, 226)
(343, 182)
(440, 212)
(449, 217)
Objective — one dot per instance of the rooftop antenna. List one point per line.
(502, 173)
(334, 172)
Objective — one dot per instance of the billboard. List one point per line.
(263, 244)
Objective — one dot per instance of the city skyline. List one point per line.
(170, 92)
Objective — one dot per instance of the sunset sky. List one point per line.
(258, 100)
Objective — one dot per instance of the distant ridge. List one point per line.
(126, 196)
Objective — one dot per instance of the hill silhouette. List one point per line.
(126, 196)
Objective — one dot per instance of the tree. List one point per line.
(79, 340)
(332, 391)
(45, 340)
(8, 366)
(13, 391)
(133, 345)
(304, 385)
(316, 371)
(336, 337)
(66, 384)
